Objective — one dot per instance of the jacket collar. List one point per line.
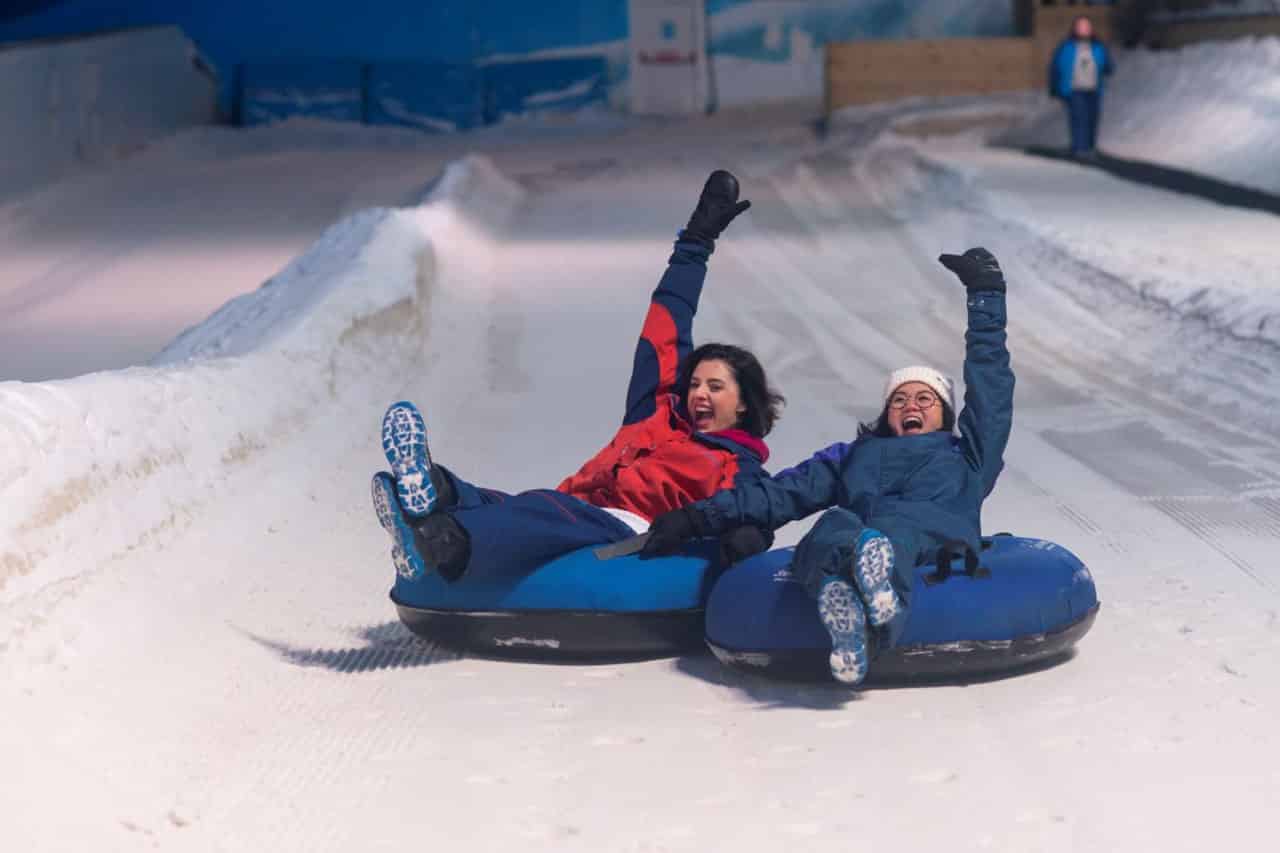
(731, 439)
(743, 439)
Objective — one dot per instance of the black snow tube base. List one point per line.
(963, 660)
(567, 636)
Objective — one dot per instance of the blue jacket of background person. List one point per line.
(922, 491)
(1062, 67)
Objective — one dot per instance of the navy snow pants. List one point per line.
(828, 549)
(512, 535)
(1083, 111)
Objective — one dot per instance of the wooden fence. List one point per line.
(866, 71)
(861, 72)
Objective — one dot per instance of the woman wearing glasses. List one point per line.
(912, 481)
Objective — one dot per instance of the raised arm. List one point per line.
(987, 417)
(667, 336)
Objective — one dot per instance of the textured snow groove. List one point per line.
(1215, 534)
(387, 646)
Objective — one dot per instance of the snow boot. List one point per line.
(404, 441)
(444, 544)
(404, 549)
(842, 616)
(872, 569)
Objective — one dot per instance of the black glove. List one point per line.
(670, 531)
(716, 208)
(742, 542)
(976, 268)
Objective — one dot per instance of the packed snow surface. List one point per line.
(196, 650)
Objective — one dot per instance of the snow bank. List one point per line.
(94, 467)
(92, 99)
(1229, 9)
(1221, 277)
(1212, 108)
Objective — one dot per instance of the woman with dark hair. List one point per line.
(760, 404)
(694, 424)
(911, 482)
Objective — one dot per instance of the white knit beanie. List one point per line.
(940, 384)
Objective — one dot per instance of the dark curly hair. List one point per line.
(763, 403)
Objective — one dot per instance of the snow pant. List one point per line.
(1083, 112)
(828, 550)
(512, 535)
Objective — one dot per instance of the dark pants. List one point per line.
(1083, 111)
(512, 535)
(828, 549)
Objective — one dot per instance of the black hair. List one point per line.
(880, 426)
(763, 404)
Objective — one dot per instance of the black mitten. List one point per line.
(670, 531)
(716, 208)
(742, 542)
(977, 269)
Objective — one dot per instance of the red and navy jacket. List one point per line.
(657, 462)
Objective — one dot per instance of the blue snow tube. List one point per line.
(1020, 602)
(578, 607)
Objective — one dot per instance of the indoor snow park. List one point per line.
(640, 425)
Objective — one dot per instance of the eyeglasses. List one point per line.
(924, 400)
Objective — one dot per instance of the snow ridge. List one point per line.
(94, 467)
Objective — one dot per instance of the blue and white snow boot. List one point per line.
(872, 568)
(404, 551)
(404, 441)
(842, 616)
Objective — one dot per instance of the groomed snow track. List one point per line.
(198, 652)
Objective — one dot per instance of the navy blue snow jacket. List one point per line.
(923, 490)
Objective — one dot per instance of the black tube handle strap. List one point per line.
(942, 565)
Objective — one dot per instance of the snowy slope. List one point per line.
(196, 629)
(1208, 262)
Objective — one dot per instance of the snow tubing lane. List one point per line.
(1022, 602)
(575, 608)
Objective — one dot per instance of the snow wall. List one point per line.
(94, 467)
(88, 100)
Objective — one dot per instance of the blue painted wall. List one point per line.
(232, 32)
(761, 29)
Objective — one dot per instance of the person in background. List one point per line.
(1080, 62)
